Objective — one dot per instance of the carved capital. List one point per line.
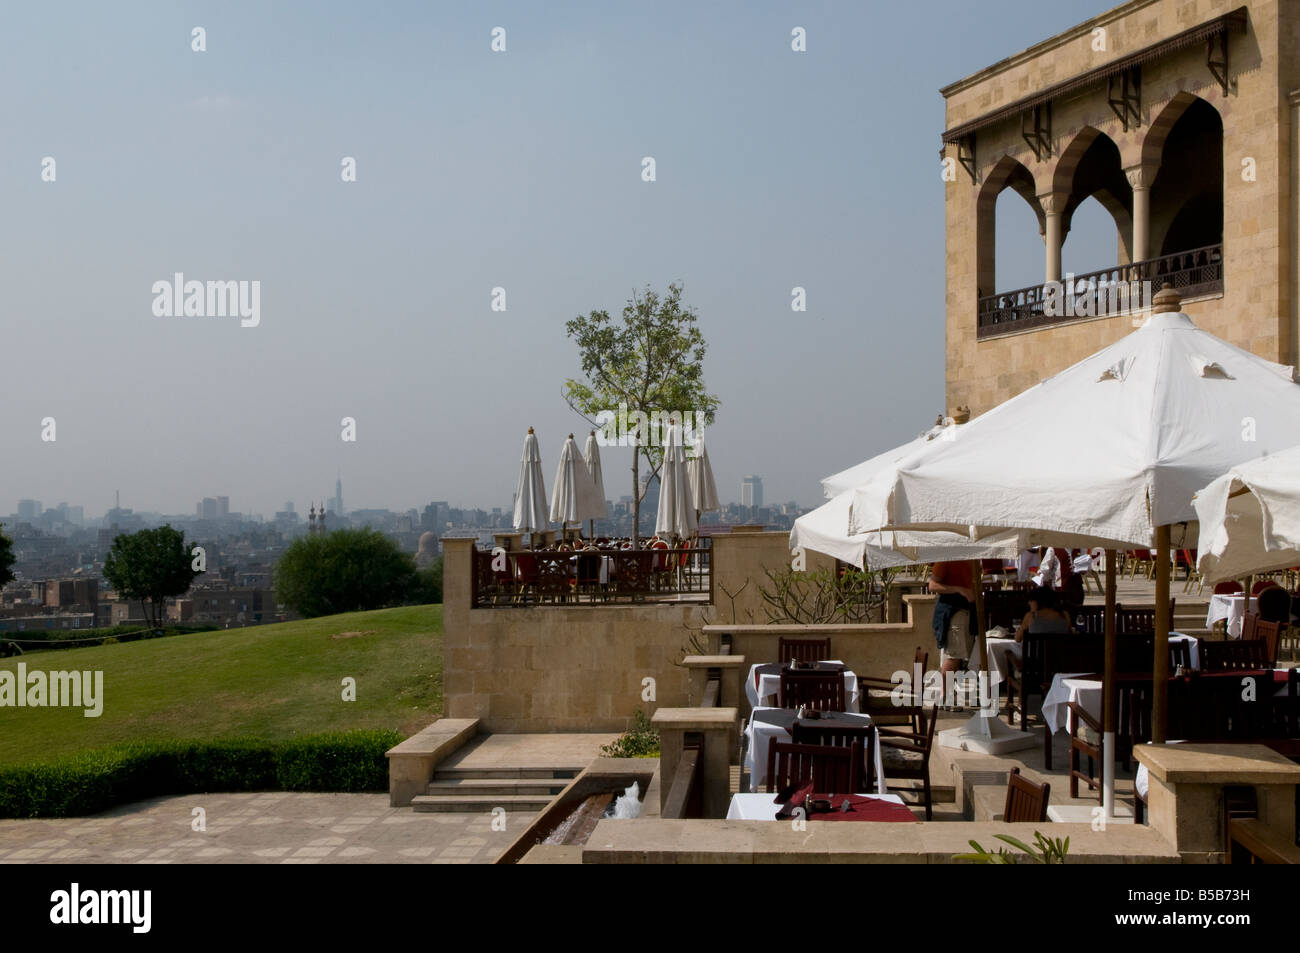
(1053, 203)
(1140, 176)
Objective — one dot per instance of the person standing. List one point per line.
(953, 623)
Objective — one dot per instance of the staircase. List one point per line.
(482, 789)
(521, 773)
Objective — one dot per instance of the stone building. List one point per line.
(1181, 119)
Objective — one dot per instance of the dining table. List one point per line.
(763, 687)
(1230, 606)
(863, 807)
(773, 724)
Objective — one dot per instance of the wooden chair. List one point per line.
(820, 691)
(1085, 740)
(842, 736)
(876, 694)
(803, 650)
(1090, 620)
(1270, 633)
(1243, 656)
(906, 754)
(831, 770)
(1249, 622)
(1026, 801)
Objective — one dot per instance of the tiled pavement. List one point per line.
(271, 827)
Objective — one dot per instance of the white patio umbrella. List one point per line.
(676, 514)
(1108, 452)
(704, 491)
(822, 531)
(860, 473)
(573, 495)
(1250, 518)
(530, 491)
(591, 454)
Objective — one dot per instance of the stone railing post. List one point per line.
(1185, 794)
(717, 726)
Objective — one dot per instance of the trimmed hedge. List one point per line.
(94, 781)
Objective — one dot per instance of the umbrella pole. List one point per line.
(1160, 668)
(977, 620)
(1109, 694)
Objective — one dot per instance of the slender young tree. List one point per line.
(647, 366)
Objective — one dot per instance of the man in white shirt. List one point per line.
(1049, 569)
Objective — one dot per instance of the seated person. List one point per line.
(1044, 615)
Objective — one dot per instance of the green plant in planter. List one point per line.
(1048, 851)
(639, 741)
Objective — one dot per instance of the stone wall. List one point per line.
(582, 668)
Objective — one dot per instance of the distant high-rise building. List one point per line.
(29, 509)
(207, 508)
(223, 506)
(338, 496)
(288, 506)
(751, 492)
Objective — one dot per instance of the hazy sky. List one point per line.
(475, 170)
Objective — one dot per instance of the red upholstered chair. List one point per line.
(1227, 587)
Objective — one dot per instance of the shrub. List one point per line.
(639, 741)
(94, 781)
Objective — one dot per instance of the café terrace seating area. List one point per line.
(819, 741)
(594, 571)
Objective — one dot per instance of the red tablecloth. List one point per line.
(864, 809)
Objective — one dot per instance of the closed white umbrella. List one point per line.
(591, 454)
(1108, 452)
(573, 496)
(699, 472)
(530, 492)
(676, 514)
(1250, 518)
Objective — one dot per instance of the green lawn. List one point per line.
(270, 681)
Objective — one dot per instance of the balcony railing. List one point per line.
(557, 577)
(1191, 273)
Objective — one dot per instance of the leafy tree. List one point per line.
(347, 570)
(651, 363)
(6, 559)
(150, 565)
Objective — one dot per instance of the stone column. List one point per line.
(1053, 236)
(1140, 178)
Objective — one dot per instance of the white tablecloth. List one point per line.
(760, 733)
(1231, 607)
(1071, 688)
(999, 649)
(1194, 650)
(763, 807)
(763, 689)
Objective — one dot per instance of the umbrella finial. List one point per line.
(530, 429)
(570, 436)
(1166, 301)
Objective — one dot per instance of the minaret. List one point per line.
(320, 522)
(338, 496)
(311, 521)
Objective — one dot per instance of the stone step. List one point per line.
(537, 787)
(425, 804)
(551, 772)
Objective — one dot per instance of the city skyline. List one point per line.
(475, 172)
